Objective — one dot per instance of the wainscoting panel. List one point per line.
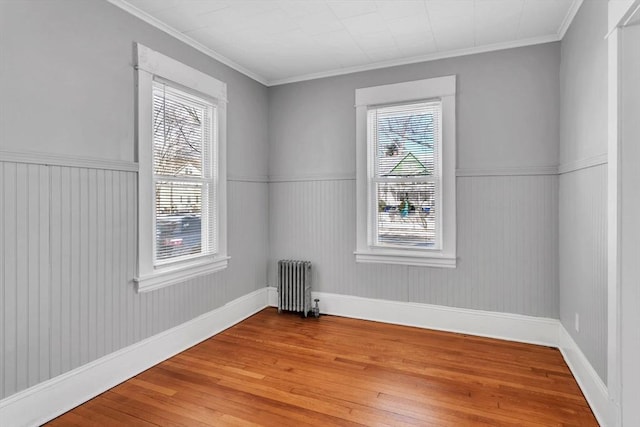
(507, 249)
(315, 220)
(507, 245)
(25, 242)
(248, 227)
(583, 261)
(67, 259)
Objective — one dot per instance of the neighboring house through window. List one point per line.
(181, 183)
(406, 173)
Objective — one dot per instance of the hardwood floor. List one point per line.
(280, 370)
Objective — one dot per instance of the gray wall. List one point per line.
(583, 192)
(67, 246)
(507, 122)
(68, 234)
(630, 237)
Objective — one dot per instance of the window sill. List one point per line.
(406, 258)
(167, 276)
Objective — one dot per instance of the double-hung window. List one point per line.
(181, 182)
(406, 173)
(183, 170)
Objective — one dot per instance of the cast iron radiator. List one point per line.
(294, 286)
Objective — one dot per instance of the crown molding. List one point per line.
(128, 7)
(417, 59)
(568, 18)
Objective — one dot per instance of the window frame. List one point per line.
(153, 66)
(443, 89)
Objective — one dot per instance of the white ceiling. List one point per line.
(280, 41)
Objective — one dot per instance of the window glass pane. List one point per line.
(406, 139)
(178, 219)
(181, 133)
(406, 214)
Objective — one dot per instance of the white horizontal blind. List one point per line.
(405, 174)
(184, 172)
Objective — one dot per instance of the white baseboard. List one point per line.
(51, 398)
(512, 327)
(272, 296)
(594, 390)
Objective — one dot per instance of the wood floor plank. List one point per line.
(158, 416)
(282, 370)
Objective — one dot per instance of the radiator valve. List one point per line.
(316, 309)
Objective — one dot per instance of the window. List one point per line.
(181, 182)
(406, 173)
(183, 130)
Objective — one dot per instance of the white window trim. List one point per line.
(443, 88)
(152, 64)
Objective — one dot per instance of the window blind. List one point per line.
(184, 168)
(405, 173)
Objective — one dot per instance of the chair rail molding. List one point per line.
(52, 159)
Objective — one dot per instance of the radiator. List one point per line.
(294, 286)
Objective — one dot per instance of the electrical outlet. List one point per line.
(577, 323)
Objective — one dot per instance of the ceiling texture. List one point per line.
(283, 41)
